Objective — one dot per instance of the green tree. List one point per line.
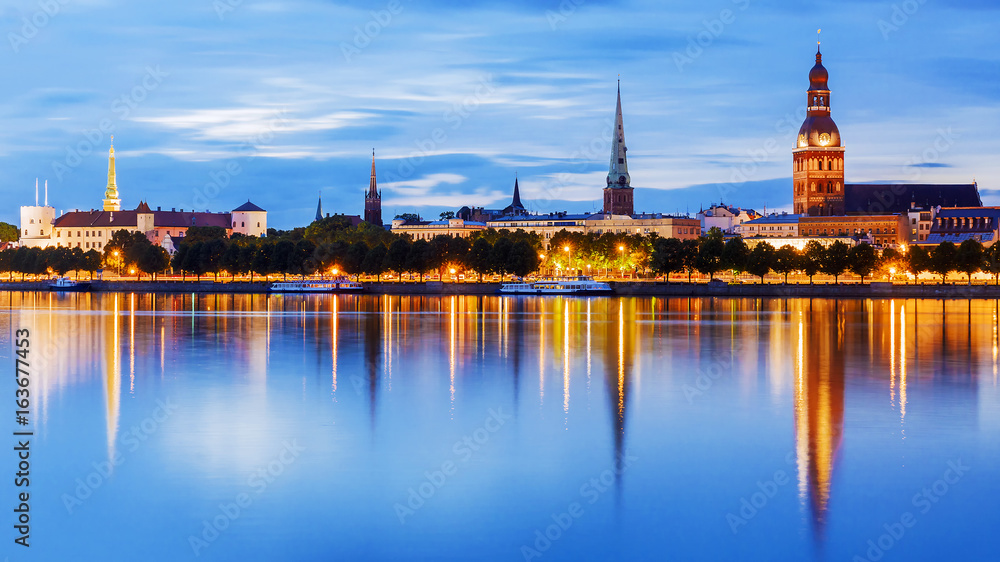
(447, 215)
(191, 260)
(212, 252)
(355, 258)
(944, 260)
(918, 260)
(204, 234)
(690, 257)
(812, 259)
(395, 257)
(282, 257)
(6, 261)
(91, 262)
(669, 256)
(409, 217)
(478, 258)
(500, 256)
(710, 248)
(786, 260)
(863, 260)
(835, 260)
(970, 258)
(761, 260)
(374, 263)
(154, 260)
(9, 232)
(419, 258)
(522, 259)
(991, 262)
(261, 263)
(231, 260)
(302, 260)
(328, 229)
(736, 255)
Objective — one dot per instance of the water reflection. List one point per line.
(819, 403)
(798, 353)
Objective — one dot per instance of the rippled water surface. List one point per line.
(222, 427)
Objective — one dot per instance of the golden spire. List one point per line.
(111, 200)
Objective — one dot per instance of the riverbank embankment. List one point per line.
(637, 289)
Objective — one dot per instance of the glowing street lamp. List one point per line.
(621, 269)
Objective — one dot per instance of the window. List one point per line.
(243, 224)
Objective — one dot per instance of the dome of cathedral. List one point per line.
(818, 130)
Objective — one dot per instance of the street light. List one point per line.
(569, 256)
(452, 271)
(621, 269)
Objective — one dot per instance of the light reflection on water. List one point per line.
(862, 403)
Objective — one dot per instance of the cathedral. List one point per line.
(887, 214)
(93, 229)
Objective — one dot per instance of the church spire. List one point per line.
(618, 171)
(516, 202)
(373, 185)
(111, 200)
(373, 199)
(319, 207)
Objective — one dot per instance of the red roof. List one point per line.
(127, 219)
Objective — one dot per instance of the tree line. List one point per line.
(333, 244)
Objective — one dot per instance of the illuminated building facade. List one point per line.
(887, 214)
(93, 229)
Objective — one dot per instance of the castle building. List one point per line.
(373, 200)
(93, 229)
(618, 195)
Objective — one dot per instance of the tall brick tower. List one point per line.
(818, 159)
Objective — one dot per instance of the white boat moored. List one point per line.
(558, 286)
(323, 286)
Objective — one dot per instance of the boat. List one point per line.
(68, 285)
(312, 286)
(558, 286)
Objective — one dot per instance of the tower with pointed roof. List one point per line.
(818, 158)
(319, 208)
(515, 208)
(373, 199)
(111, 200)
(618, 197)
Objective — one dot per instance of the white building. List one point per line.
(725, 218)
(771, 226)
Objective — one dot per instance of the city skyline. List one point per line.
(911, 105)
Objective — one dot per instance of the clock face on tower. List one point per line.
(824, 139)
(802, 141)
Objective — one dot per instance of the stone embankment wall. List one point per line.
(637, 289)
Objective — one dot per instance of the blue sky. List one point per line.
(213, 102)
